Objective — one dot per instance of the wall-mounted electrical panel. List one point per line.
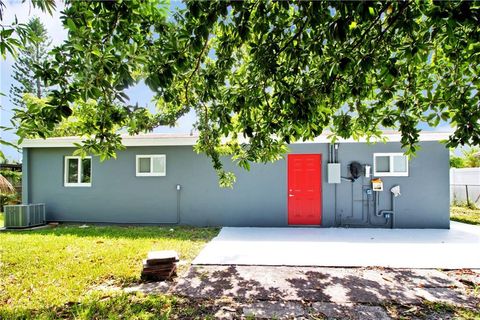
(333, 173)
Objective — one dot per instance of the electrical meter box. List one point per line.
(333, 173)
(377, 184)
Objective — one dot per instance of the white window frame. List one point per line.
(150, 174)
(79, 173)
(391, 173)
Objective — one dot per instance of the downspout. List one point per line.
(178, 187)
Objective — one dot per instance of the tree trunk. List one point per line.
(39, 84)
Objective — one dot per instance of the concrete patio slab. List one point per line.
(455, 248)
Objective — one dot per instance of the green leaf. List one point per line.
(71, 25)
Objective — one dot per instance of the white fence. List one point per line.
(465, 185)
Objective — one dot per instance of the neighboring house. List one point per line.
(17, 167)
(159, 179)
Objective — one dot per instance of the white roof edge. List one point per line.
(389, 136)
(190, 140)
(128, 141)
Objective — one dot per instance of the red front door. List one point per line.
(304, 189)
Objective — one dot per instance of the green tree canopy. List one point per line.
(270, 72)
(33, 53)
(13, 37)
(470, 159)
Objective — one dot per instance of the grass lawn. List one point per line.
(50, 273)
(1, 219)
(466, 215)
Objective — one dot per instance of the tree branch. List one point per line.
(295, 36)
(394, 20)
(265, 95)
(360, 40)
(197, 66)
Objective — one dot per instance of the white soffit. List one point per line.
(190, 140)
(128, 141)
(389, 137)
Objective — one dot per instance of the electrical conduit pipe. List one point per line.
(387, 213)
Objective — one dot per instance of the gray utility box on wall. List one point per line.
(333, 173)
(24, 215)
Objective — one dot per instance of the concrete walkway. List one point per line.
(327, 285)
(456, 248)
(268, 292)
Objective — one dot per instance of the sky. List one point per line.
(53, 24)
(140, 93)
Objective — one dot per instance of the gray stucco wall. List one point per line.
(259, 197)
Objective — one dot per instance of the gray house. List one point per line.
(159, 179)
